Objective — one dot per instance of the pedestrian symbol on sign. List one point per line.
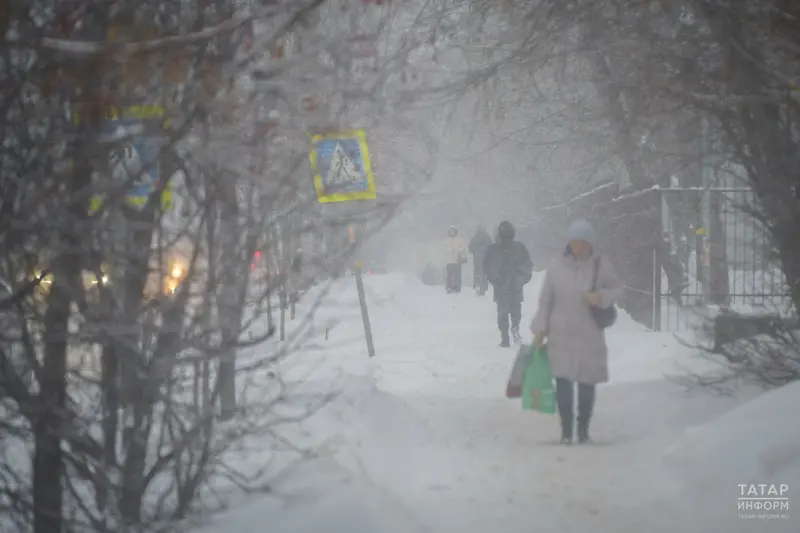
(341, 171)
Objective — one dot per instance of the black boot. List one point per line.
(586, 395)
(564, 392)
(504, 341)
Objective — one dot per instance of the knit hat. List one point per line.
(582, 230)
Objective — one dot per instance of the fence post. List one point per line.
(657, 267)
(707, 183)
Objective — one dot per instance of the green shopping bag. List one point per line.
(538, 393)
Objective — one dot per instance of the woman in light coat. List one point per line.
(455, 255)
(575, 344)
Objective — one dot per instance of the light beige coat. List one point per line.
(454, 250)
(576, 346)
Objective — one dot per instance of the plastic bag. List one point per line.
(538, 392)
(521, 363)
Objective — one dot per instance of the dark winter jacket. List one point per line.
(480, 242)
(507, 265)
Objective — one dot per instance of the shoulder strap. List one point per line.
(552, 300)
(595, 274)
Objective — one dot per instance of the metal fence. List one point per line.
(713, 252)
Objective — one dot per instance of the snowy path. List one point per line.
(517, 475)
(428, 443)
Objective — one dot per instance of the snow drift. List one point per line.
(754, 444)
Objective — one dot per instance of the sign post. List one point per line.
(342, 172)
(362, 301)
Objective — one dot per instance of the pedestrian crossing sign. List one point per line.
(136, 160)
(341, 167)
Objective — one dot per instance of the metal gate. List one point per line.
(713, 252)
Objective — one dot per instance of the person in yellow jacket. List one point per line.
(455, 255)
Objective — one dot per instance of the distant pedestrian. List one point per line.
(509, 268)
(478, 246)
(455, 255)
(296, 281)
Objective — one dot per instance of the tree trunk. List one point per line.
(51, 418)
(229, 306)
(157, 373)
(212, 281)
(135, 278)
(612, 97)
(110, 385)
(134, 466)
(285, 265)
(48, 466)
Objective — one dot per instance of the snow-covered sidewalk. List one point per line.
(422, 439)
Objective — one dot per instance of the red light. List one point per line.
(257, 254)
(252, 266)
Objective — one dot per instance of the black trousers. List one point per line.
(453, 274)
(565, 392)
(508, 308)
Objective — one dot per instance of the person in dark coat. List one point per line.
(509, 268)
(477, 247)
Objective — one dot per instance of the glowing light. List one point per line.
(46, 280)
(171, 286)
(177, 271)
